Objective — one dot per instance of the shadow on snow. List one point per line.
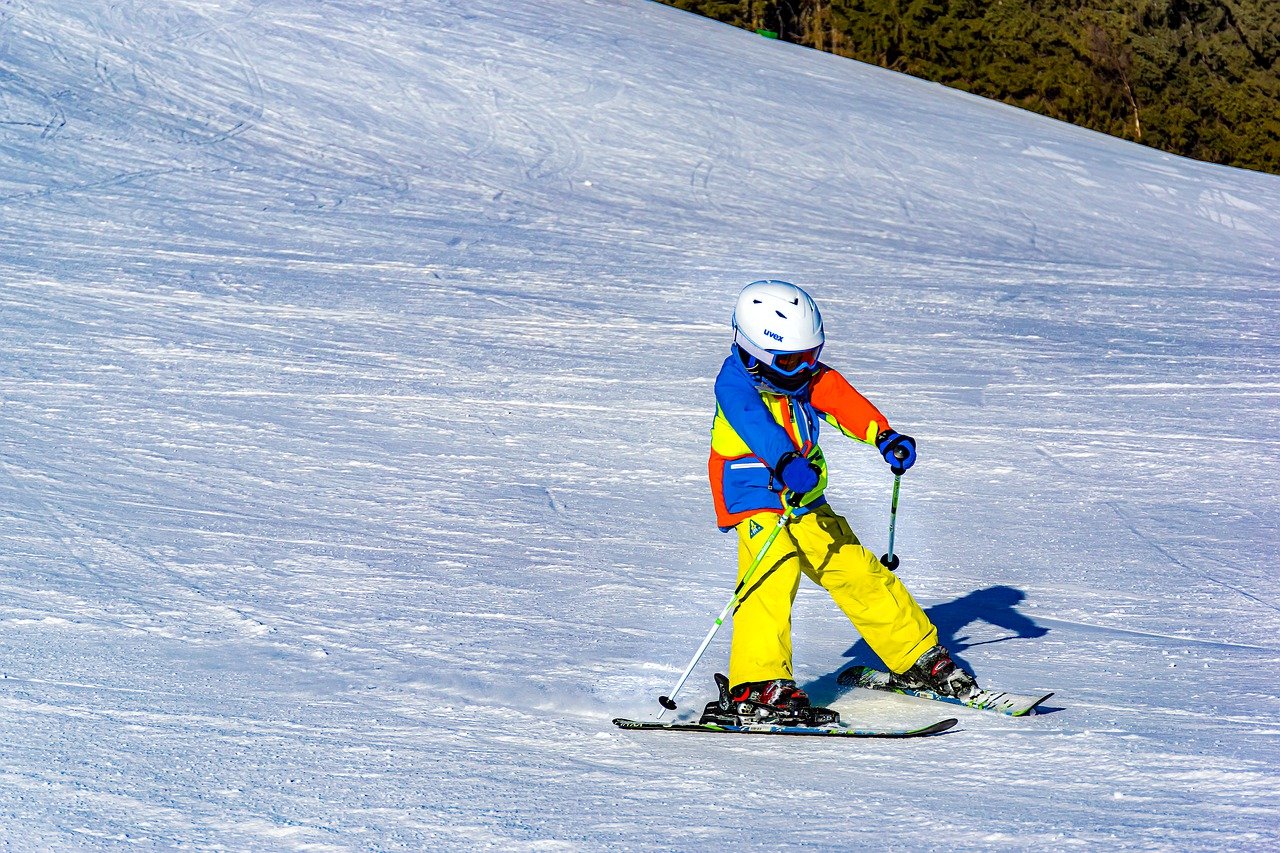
(996, 605)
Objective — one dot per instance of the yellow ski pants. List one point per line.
(820, 545)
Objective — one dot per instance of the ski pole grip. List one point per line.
(899, 453)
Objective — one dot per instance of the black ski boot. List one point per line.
(936, 671)
(777, 702)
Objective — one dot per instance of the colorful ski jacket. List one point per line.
(754, 428)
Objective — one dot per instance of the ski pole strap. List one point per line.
(668, 703)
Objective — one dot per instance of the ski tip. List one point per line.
(1030, 711)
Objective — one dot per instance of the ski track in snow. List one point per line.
(354, 387)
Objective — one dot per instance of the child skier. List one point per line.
(771, 395)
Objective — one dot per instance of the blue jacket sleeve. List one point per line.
(740, 403)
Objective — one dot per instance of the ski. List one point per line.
(771, 729)
(1012, 704)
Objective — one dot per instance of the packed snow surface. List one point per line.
(356, 371)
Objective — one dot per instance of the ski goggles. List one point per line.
(784, 363)
(791, 363)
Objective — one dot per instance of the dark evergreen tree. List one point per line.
(1194, 77)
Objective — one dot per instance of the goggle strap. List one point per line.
(761, 355)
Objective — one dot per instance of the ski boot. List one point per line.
(936, 671)
(778, 702)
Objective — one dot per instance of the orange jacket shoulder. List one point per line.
(833, 396)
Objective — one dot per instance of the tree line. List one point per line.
(1191, 77)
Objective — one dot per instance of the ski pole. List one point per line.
(668, 703)
(890, 560)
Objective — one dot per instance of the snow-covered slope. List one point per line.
(356, 372)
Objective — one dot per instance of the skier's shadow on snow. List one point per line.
(996, 605)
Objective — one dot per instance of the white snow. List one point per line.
(356, 376)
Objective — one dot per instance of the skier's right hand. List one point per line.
(797, 473)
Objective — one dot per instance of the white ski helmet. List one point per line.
(777, 325)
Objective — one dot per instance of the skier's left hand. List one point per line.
(897, 449)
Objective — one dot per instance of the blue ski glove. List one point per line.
(797, 473)
(897, 449)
